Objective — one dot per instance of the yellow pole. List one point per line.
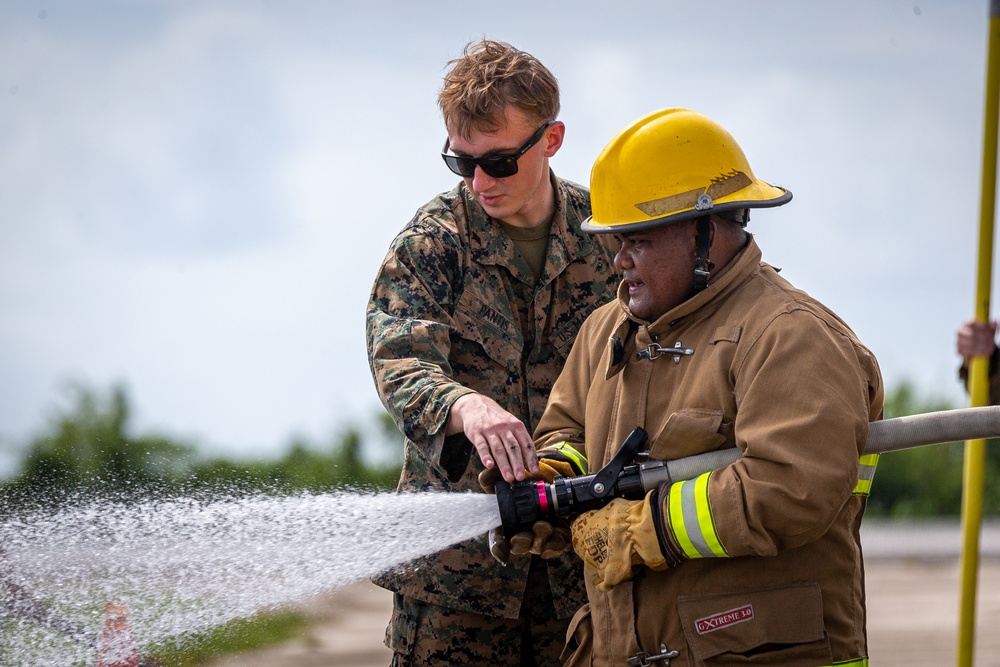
(975, 450)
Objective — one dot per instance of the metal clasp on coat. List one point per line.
(655, 351)
(643, 659)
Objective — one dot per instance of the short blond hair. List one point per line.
(489, 77)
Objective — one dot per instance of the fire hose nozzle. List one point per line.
(521, 504)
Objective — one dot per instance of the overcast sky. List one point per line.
(195, 196)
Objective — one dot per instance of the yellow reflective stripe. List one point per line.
(576, 459)
(860, 662)
(690, 518)
(866, 473)
(689, 515)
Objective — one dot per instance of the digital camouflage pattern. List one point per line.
(455, 309)
(430, 636)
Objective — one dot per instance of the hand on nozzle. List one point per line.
(543, 540)
(488, 479)
(501, 439)
(548, 470)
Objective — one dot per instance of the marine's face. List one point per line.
(524, 199)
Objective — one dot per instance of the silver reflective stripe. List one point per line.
(692, 525)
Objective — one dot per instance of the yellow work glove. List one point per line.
(548, 469)
(544, 539)
(614, 538)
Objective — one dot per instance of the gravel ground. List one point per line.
(912, 607)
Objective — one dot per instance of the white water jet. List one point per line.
(184, 566)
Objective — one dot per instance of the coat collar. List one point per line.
(728, 280)
(745, 262)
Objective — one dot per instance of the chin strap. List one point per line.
(702, 267)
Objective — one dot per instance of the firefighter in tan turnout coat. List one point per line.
(707, 347)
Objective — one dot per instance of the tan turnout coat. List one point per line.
(776, 374)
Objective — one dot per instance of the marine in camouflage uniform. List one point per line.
(455, 309)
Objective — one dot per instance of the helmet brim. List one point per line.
(783, 197)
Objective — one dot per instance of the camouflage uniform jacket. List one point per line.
(767, 568)
(455, 309)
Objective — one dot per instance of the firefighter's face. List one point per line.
(657, 267)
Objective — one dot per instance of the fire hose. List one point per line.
(627, 476)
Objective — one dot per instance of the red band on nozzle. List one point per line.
(543, 498)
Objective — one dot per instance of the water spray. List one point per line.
(628, 475)
(104, 583)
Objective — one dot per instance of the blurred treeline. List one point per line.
(89, 447)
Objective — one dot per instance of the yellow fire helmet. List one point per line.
(668, 166)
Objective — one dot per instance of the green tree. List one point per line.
(88, 448)
(307, 466)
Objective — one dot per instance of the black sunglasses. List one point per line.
(497, 166)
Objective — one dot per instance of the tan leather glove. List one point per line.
(544, 539)
(614, 538)
(548, 469)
